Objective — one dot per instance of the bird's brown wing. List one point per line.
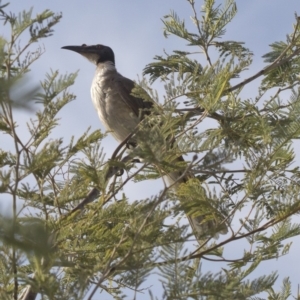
(139, 106)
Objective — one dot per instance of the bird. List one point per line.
(121, 112)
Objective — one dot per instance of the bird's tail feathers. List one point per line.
(205, 219)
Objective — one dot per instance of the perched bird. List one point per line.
(120, 112)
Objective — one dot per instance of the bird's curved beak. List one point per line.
(78, 49)
(89, 52)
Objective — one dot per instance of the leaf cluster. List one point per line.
(241, 161)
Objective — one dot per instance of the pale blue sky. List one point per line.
(134, 31)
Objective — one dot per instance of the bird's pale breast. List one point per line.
(113, 112)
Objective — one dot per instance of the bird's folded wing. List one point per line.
(139, 106)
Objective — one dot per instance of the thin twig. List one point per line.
(233, 238)
(109, 269)
(265, 70)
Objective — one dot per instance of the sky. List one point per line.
(134, 30)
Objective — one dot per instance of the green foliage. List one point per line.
(288, 53)
(243, 172)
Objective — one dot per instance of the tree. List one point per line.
(246, 173)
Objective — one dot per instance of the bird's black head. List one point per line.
(96, 53)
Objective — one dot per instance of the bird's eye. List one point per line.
(83, 45)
